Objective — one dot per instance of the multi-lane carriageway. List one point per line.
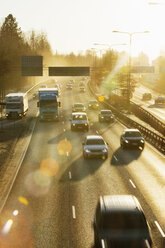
(53, 198)
(157, 110)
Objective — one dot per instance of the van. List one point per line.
(120, 221)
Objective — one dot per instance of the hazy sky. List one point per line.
(74, 25)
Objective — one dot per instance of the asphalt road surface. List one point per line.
(53, 200)
(157, 110)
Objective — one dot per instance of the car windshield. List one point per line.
(105, 112)
(78, 105)
(95, 142)
(79, 117)
(92, 102)
(124, 221)
(133, 134)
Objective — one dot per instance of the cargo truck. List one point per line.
(48, 104)
(16, 105)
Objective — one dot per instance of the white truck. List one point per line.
(48, 104)
(16, 105)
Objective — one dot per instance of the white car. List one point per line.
(78, 107)
(94, 146)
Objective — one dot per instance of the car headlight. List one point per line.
(74, 124)
(86, 124)
(126, 141)
(87, 150)
(102, 117)
(89, 105)
(104, 150)
(142, 141)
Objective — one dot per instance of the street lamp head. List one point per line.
(146, 31)
(115, 31)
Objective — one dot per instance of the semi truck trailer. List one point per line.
(48, 104)
(16, 105)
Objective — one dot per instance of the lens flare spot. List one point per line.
(49, 167)
(15, 212)
(6, 228)
(37, 183)
(64, 147)
(101, 98)
(23, 200)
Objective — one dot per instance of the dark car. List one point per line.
(79, 122)
(93, 104)
(132, 138)
(120, 222)
(106, 116)
(146, 96)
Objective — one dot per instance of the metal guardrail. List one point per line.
(149, 118)
(156, 140)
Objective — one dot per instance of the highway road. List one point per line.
(53, 199)
(157, 110)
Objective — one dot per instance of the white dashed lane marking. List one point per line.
(133, 185)
(160, 229)
(73, 212)
(70, 175)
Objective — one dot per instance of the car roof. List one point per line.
(92, 137)
(79, 113)
(131, 130)
(120, 203)
(76, 103)
(106, 110)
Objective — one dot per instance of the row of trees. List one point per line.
(14, 44)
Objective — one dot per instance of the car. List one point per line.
(120, 221)
(82, 89)
(79, 121)
(78, 107)
(93, 104)
(160, 100)
(69, 87)
(146, 96)
(106, 116)
(94, 146)
(132, 138)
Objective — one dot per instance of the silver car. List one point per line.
(78, 107)
(94, 146)
(79, 122)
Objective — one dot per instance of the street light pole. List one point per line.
(130, 62)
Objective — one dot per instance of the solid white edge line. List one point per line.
(160, 229)
(73, 212)
(70, 175)
(18, 168)
(133, 185)
(102, 243)
(115, 158)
